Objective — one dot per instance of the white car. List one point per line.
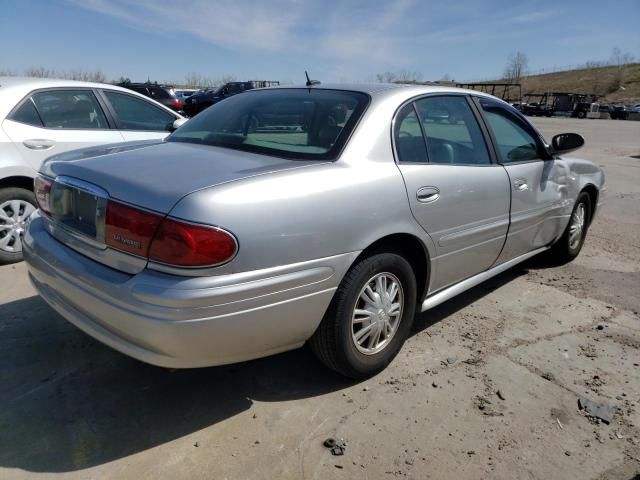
(42, 117)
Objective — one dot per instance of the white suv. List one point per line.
(43, 117)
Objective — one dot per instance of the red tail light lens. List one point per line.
(42, 190)
(129, 229)
(187, 245)
(177, 103)
(166, 240)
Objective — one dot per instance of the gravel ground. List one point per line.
(486, 387)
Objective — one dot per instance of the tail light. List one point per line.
(42, 190)
(177, 103)
(190, 245)
(129, 229)
(166, 240)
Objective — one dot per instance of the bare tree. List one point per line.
(620, 59)
(7, 72)
(408, 76)
(386, 77)
(38, 72)
(517, 65)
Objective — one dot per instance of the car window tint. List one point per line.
(160, 93)
(515, 144)
(453, 134)
(293, 123)
(410, 144)
(27, 114)
(74, 109)
(138, 114)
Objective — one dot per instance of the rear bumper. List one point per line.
(184, 322)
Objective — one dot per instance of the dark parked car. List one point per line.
(164, 94)
(605, 108)
(620, 112)
(204, 99)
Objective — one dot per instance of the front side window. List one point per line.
(138, 114)
(70, 109)
(514, 142)
(293, 123)
(452, 132)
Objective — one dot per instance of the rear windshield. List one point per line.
(292, 123)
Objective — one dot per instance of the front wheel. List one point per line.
(369, 317)
(16, 204)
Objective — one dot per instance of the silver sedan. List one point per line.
(326, 215)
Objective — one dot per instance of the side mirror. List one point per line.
(177, 123)
(566, 142)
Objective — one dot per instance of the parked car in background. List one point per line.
(619, 112)
(605, 108)
(204, 99)
(184, 93)
(242, 238)
(164, 94)
(42, 117)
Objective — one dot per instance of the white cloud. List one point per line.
(228, 23)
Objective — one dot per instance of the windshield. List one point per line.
(291, 123)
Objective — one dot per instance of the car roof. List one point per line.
(380, 91)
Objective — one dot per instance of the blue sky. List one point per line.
(335, 40)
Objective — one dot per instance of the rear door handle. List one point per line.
(520, 184)
(38, 144)
(428, 194)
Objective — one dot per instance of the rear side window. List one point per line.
(292, 123)
(138, 114)
(453, 134)
(28, 114)
(70, 109)
(514, 142)
(409, 140)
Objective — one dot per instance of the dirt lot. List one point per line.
(73, 408)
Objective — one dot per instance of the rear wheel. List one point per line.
(16, 204)
(369, 317)
(569, 245)
(581, 114)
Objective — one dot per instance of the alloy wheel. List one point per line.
(377, 313)
(13, 215)
(576, 228)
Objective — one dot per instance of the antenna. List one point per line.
(310, 83)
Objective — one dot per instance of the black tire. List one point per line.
(562, 251)
(332, 342)
(581, 114)
(6, 195)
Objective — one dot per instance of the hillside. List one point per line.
(615, 84)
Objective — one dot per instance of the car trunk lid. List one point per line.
(147, 175)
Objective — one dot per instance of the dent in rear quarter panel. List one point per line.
(583, 173)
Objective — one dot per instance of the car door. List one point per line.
(538, 182)
(137, 118)
(53, 121)
(457, 192)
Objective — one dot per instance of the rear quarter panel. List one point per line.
(303, 214)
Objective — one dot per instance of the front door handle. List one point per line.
(520, 184)
(428, 194)
(38, 144)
